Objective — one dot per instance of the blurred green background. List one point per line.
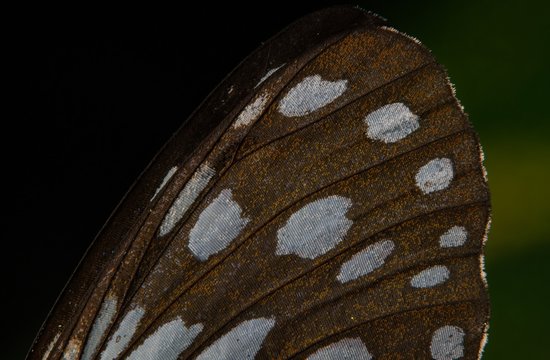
(497, 54)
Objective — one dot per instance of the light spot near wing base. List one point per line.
(366, 261)
(101, 324)
(217, 226)
(344, 349)
(268, 75)
(311, 94)
(72, 350)
(431, 276)
(447, 343)
(241, 342)
(167, 342)
(454, 237)
(435, 175)
(186, 198)
(167, 178)
(316, 228)
(252, 111)
(50, 346)
(391, 123)
(119, 340)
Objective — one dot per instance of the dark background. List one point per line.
(94, 102)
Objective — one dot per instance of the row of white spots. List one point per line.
(252, 111)
(316, 228)
(241, 342)
(123, 334)
(167, 342)
(345, 349)
(389, 123)
(186, 197)
(217, 226)
(374, 256)
(311, 94)
(167, 178)
(447, 343)
(101, 323)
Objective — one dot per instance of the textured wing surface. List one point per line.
(332, 205)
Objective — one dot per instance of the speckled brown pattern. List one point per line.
(276, 165)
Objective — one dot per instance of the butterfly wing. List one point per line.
(327, 198)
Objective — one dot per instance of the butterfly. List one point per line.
(327, 201)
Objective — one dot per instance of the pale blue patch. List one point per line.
(119, 340)
(186, 198)
(431, 276)
(345, 349)
(101, 324)
(311, 94)
(217, 226)
(268, 75)
(241, 342)
(391, 123)
(167, 342)
(454, 237)
(167, 178)
(366, 261)
(447, 343)
(316, 228)
(436, 175)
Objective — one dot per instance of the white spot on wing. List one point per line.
(447, 343)
(218, 224)
(268, 75)
(50, 346)
(101, 323)
(391, 123)
(311, 94)
(123, 334)
(241, 342)
(342, 350)
(316, 228)
(167, 342)
(431, 276)
(186, 197)
(366, 261)
(435, 175)
(167, 178)
(454, 237)
(251, 112)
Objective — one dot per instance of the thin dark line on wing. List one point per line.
(430, 306)
(337, 109)
(342, 251)
(127, 298)
(365, 286)
(182, 222)
(244, 240)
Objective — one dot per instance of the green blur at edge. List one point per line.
(497, 55)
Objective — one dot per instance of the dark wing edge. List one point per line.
(206, 123)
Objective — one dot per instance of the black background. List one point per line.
(94, 101)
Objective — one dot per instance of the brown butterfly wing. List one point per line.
(338, 204)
